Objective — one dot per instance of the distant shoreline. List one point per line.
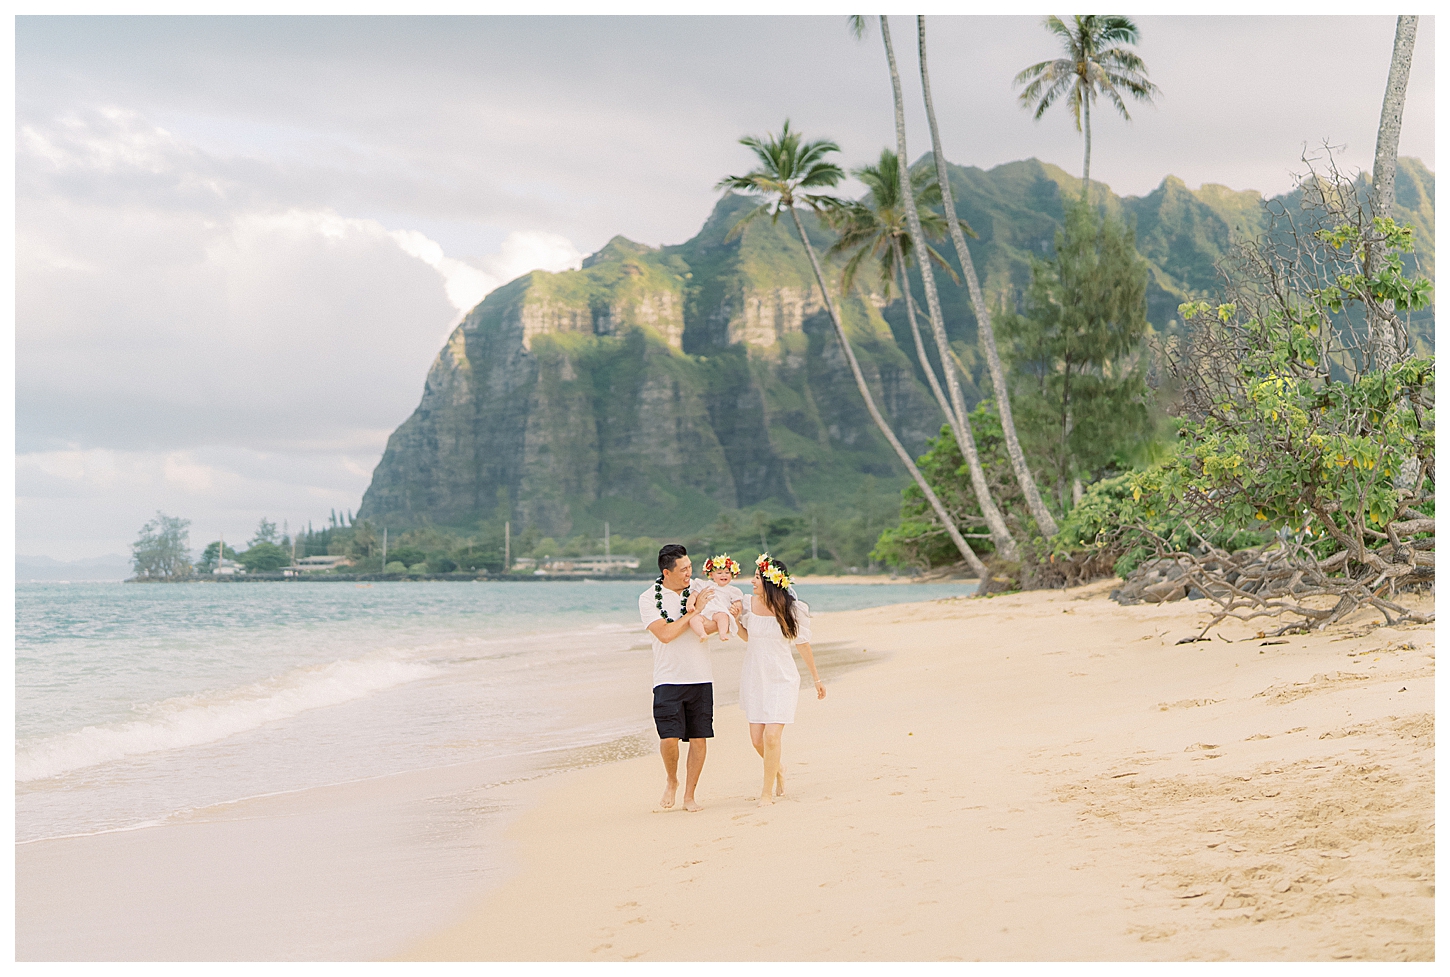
(860, 579)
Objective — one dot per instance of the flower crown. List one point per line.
(771, 570)
(722, 562)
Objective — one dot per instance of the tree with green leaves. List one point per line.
(1290, 428)
(208, 561)
(266, 532)
(162, 550)
(264, 558)
(1096, 59)
(786, 169)
(1080, 392)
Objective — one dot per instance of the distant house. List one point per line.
(588, 566)
(228, 568)
(314, 564)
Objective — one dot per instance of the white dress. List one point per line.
(770, 683)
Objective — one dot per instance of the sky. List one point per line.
(241, 241)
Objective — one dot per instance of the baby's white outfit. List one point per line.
(720, 602)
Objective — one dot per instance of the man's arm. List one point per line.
(668, 631)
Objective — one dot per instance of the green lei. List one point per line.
(660, 598)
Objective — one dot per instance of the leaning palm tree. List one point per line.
(786, 167)
(996, 526)
(875, 227)
(1095, 60)
(1040, 513)
(1388, 340)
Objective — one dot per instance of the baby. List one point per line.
(721, 570)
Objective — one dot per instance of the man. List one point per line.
(684, 706)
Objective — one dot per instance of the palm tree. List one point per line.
(1388, 341)
(996, 525)
(875, 227)
(985, 334)
(786, 167)
(1095, 60)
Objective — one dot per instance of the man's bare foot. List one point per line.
(668, 800)
(690, 805)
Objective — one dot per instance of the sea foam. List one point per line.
(209, 717)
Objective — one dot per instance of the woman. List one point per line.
(771, 622)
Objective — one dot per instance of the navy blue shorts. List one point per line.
(685, 711)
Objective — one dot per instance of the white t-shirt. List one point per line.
(686, 660)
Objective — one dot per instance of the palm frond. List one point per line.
(937, 259)
(848, 273)
(1055, 25)
(739, 226)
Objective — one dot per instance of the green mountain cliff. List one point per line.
(655, 387)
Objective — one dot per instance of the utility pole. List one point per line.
(606, 537)
(506, 546)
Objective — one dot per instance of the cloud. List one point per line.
(74, 504)
(166, 314)
(467, 283)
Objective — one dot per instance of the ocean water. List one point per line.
(135, 702)
(174, 707)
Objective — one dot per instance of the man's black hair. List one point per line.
(670, 554)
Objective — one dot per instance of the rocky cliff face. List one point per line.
(653, 387)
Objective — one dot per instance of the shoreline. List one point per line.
(1027, 788)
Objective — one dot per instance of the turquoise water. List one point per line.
(134, 702)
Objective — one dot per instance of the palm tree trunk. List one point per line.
(973, 561)
(985, 334)
(1388, 343)
(996, 525)
(1087, 139)
(931, 380)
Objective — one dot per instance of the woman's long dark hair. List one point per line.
(780, 601)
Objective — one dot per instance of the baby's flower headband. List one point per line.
(722, 562)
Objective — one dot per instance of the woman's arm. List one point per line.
(805, 650)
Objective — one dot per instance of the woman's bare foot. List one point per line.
(765, 800)
(690, 805)
(779, 785)
(668, 800)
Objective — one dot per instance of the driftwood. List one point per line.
(1285, 578)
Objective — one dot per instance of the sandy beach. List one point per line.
(1043, 776)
